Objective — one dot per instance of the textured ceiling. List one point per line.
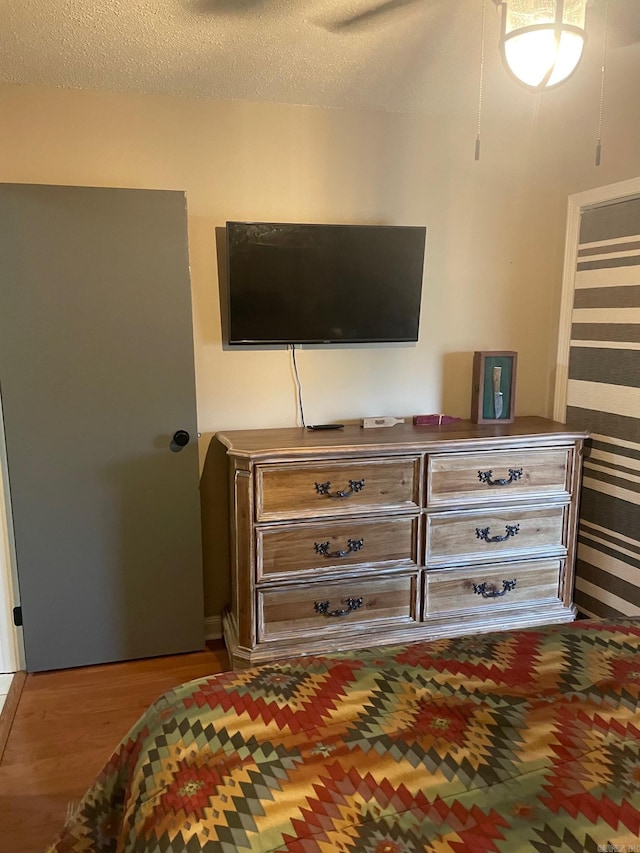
(396, 55)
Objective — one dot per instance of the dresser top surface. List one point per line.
(404, 437)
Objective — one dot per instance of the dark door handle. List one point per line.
(180, 439)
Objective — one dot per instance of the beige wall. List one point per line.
(288, 163)
(495, 228)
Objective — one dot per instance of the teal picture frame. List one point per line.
(493, 387)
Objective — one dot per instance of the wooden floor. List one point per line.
(66, 725)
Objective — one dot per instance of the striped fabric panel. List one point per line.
(603, 396)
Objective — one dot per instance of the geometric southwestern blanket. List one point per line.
(514, 741)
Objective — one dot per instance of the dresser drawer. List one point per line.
(478, 588)
(311, 611)
(502, 474)
(490, 534)
(305, 489)
(284, 550)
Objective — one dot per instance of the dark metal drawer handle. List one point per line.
(488, 591)
(483, 533)
(352, 604)
(354, 486)
(514, 474)
(323, 548)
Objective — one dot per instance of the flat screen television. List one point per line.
(311, 284)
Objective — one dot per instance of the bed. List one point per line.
(513, 741)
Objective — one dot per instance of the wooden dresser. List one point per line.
(352, 538)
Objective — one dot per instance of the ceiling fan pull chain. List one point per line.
(604, 63)
(481, 83)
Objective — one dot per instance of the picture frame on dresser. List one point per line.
(493, 387)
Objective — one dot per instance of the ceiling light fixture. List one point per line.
(542, 40)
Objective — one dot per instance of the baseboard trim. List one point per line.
(9, 708)
(213, 628)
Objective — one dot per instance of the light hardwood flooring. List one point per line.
(66, 725)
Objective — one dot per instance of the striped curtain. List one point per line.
(603, 396)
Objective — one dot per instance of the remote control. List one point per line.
(326, 426)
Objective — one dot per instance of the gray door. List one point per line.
(96, 377)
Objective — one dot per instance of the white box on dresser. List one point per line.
(353, 538)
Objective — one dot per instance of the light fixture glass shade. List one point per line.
(542, 40)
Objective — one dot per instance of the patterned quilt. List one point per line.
(518, 741)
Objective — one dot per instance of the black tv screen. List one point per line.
(309, 284)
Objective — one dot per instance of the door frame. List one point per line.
(577, 203)
(11, 647)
